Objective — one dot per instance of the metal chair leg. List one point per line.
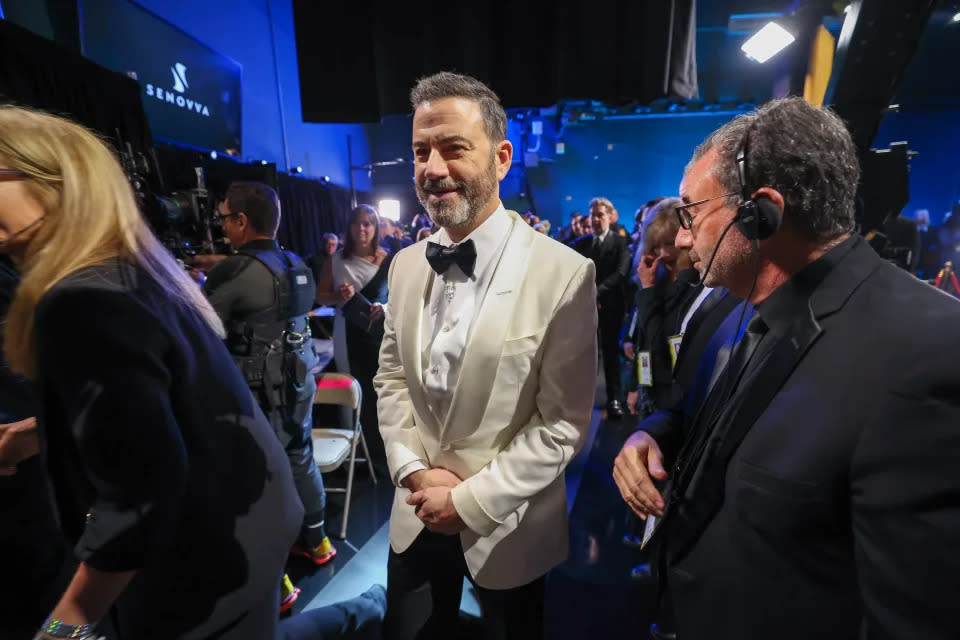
(349, 493)
(366, 453)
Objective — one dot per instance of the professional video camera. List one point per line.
(883, 192)
(184, 220)
(188, 223)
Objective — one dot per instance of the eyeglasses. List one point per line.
(686, 220)
(7, 175)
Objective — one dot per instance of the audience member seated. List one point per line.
(391, 236)
(331, 244)
(569, 233)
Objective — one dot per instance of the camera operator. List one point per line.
(263, 295)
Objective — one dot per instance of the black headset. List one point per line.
(757, 218)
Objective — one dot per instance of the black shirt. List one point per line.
(791, 300)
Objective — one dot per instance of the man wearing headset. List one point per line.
(814, 491)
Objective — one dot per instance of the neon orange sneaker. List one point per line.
(288, 595)
(319, 555)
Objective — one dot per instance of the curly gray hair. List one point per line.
(802, 151)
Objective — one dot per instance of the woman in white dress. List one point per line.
(355, 281)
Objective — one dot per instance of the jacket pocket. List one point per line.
(520, 346)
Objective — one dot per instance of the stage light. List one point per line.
(955, 18)
(325, 178)
(213, 155)
(263, 162)
(767, 42)
(299, 169)
(390, 209)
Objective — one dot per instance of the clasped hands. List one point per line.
(432, 499)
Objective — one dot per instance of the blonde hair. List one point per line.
(661, 224)
(90, 216)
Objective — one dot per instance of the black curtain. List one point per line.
(38, 73)
(358, 60)
(309, 209)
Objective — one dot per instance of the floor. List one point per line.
(589, 596)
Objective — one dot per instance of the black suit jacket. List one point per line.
(830, 504)
(612, 261)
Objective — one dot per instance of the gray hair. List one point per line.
(454, 85)
(802, 151)
(331, 236)
(600, 201)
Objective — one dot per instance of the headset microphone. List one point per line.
(13, 236)
(723, 235)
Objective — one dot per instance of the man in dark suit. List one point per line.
(813, 494)
(609, 252)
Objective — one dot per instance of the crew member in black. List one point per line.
(263, 295)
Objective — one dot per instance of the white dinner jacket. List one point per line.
(520, 410)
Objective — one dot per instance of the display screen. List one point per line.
(191, 93)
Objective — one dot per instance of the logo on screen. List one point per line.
(179, 71)
(180, 85)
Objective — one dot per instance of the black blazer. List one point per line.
(160, 460)
(830, 506)
(613, 266)
(660, 310)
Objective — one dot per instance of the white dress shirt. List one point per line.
(452, 305)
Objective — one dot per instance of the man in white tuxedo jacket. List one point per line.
(485, 386)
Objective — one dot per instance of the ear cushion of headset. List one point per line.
(768, 217)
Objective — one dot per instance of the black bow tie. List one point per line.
(464, 255)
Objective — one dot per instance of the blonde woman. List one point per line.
(168, 480)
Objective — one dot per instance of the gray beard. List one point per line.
(464, 209)
(456, 213)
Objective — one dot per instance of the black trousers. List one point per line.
(294, 427)
(364, 353)
(424, 586)
(609, 324)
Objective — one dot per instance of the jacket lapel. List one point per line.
(415, 295)
(482, 354)
(607, 245)
(704, 495)
(712, 301)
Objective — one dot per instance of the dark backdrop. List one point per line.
(308, 210)
(358, 59)
(38, 73)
